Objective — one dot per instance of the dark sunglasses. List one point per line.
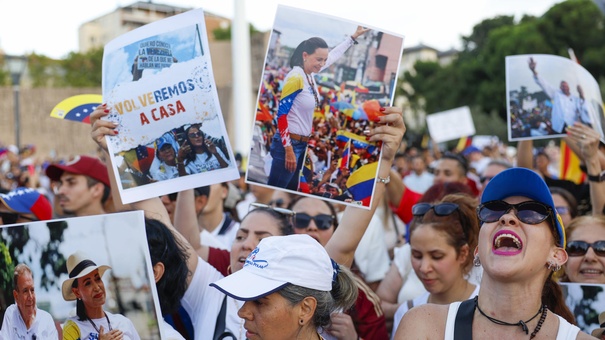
(530, 212)
(579, 248)
(11, 218)
(441, 209)
(322, 221)
(195, 134)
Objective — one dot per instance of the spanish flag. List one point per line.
(361, 183)
(569, 167)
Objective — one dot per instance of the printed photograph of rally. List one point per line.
(324, 83)
(548, 93)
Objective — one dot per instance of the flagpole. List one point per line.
(243, 110)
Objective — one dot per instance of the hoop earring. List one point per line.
(301, 321)
(477, 261)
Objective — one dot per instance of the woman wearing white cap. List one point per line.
(292, 287)
(91, 321)
(521, 244)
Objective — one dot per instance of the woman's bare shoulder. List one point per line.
(423, 322)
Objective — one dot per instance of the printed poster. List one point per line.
(115, 240)
(547, 93)
(451, 124)
(159, 83)
(318, 103)
(586, 301)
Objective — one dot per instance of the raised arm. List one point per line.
(525, 154)
(185, 221)
(342, 245)
(153, 207)
(586, 141)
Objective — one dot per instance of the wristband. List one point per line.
(354, 41)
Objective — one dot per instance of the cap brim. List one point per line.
(245, 286)
(55, 171)
(522, 182)
(597, 332)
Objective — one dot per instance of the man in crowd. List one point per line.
(419, 179)
(23, 319)
(83, 186)
(217, 227)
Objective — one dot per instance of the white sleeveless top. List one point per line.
(566, 331)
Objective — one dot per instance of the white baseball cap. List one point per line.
(276, 262)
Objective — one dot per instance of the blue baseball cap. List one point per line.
(527, 183)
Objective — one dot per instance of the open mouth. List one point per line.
(507, 242)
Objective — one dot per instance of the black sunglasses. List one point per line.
(441, 209)
(11, 218)
(195, 134)
(579, 248)
(322, 221)
(530, 212)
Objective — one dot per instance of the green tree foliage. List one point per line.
(477, 77)
(82, 69)
(222, 34)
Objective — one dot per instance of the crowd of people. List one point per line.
(463, 243)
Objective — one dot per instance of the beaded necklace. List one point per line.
(312, 83)
(523, 324)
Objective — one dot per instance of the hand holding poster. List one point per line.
(547, 93)
(324, 84)
(451, 124)
(158, 83)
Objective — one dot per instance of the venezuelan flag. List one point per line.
(306, 174)
(77, 108)
(361, 183)
(344, 161)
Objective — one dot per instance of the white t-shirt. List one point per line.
(163, 172)
(204, 162)
(74, 329)
(419, 183)
(203, 303)
(421, 300)
(168, 332)
(13, 326)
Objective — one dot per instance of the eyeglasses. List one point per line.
(562, 210)
(579, 248)
(441, 209)
(195, 134)
(11, 218)
(322, 221)
(530, 212)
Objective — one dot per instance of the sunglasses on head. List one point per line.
(195, 134)
(530, 212)
(579, 248)
(11, 218)
(441, 209)
(283, 211)
(322, 221)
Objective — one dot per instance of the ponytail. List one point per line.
(309, 46)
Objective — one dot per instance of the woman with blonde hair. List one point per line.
(586, 250)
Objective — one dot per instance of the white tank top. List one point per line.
(566, 331)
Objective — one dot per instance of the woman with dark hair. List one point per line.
(521, 244)
(299, 99)
(91, 321)
(200, 153)
(400, 283)
(169, 261)
(565, 203)
(165, 167)
(443, 237)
